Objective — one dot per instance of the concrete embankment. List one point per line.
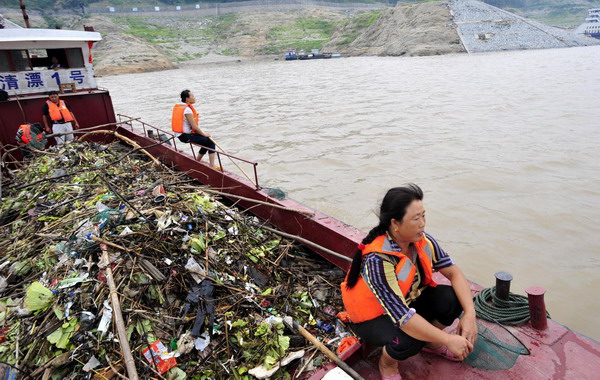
(484, 28)
(454, 26)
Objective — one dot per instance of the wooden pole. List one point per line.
(118, 318)
(100, 240)
(127, 140)
(307, 213)
(332, 356)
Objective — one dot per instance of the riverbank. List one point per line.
(148, 42)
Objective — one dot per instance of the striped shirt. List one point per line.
(379, 272)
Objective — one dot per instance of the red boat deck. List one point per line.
(556, 353)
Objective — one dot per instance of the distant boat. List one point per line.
(291, 55)
(591, 25)
(314, 54)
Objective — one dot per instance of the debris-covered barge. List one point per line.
(556, 352)
(191, 274)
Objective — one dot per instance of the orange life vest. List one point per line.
(59, 112)
(24, 134)
(28, 133)
(177, 117)
(362, 304)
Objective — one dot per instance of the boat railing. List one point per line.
(168, 137)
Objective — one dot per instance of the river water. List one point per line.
(505, 146)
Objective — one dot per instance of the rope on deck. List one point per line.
(513, 312)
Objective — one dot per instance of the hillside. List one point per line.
(405, 30)
(561, 13)
(150, 41)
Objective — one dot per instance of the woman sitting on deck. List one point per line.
(184, 122)
(390, 294)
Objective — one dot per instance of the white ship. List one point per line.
(591, 25)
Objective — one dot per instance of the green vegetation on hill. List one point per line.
(355, 26)
(78, 4)
(185, 38)
(563, 13)
(215, 29)
(306, 33)
(147, 31)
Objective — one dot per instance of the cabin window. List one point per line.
(14, 60)
(67, 58)
(4, 64)
(75, 57)
(20, 60)
(41, 59)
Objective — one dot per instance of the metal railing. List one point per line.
(159, 134)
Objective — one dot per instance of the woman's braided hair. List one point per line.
(393, 206)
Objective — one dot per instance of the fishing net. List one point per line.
(276, 193)
(37, 136)
(496, 348)
(39, 141)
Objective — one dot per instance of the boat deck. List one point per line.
(555, 353)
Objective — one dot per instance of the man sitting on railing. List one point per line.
(184, 123)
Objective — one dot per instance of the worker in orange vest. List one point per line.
(30, 135)
(184, 122)
(391, 296)
(58, 118)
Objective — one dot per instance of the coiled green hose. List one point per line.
(513, 312)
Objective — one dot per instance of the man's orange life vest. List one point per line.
(59, 112)
(362, 304)
(177, 117)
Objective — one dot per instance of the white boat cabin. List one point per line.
(41, 60)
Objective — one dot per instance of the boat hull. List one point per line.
(91, 108)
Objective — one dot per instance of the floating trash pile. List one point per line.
(111, 264)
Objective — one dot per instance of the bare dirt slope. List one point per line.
(418, 29)
(120, 53)
(412, 30)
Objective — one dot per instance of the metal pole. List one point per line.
(25, 15)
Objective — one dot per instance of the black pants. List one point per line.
(206, 142)
(434, 304)
(26, 153)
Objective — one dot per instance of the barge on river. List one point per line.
(557, 352)
(293, 55)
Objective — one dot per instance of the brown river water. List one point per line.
(505, 145)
